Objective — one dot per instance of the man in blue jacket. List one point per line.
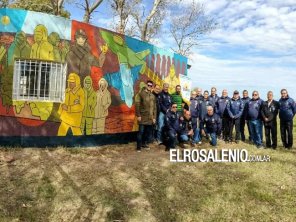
(203, 104)
(210, 126)
(245, 100)
(269, 112)
(164, 102)
(222, 112)
(255, 120)
(186, 131)
(214, 97)
(194, 108)
(235, 110)
(287, 110)
(171, 126)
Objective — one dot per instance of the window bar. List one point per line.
(39, 79)
(35, 75)
(24, 75)
(45, 83)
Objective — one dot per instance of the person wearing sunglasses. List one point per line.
(146, 114)
(171, 127)
(287, 110)
(253, 110)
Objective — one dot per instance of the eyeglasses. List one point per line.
(174, 106)
(149, 85)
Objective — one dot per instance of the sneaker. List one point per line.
(199, 143)
(237, 141)
(192, 144)
(259, 146)
(139, 151)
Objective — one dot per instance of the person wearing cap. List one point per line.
(235, 110)
(287, 110)
(254, 117)
(210, 126)
(146, 115)
(245, 100)
(71, 110)
(222, 112)
(269, 112)
(80, 59)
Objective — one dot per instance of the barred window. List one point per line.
(35, 80)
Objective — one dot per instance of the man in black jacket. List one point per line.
(269, 112)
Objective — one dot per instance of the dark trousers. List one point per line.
(271, 132)
(144, 135)
(225, 127)
(236, 123)
(287, 133)
(170, 139)
(242, 129)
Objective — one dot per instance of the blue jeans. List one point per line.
(161, 118)
(256, 131)
(213, 138)
(183, 138)
(196, 136)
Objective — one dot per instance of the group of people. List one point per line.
(167, 119)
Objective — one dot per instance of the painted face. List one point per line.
(38, 35)
(72, 85)
(80, 40)
(102, 85)
(87, 85)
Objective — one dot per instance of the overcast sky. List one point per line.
(253, 48)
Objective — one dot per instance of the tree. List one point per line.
(150, 24)
(122, 9)
(135, 20)
(89, 8)
(55, 7)
(188, 25)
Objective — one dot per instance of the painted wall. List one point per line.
(109, 70)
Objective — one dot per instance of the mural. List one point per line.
(105, 72)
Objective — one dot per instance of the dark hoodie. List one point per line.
(287, 109)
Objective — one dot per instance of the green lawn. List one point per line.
(115, 183)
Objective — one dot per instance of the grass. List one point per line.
(115, 183)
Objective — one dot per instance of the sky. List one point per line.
(253, 48)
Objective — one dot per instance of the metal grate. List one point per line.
(35, 80)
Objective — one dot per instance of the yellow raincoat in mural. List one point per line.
(71, 111)
(101, 110)
(41, 49)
